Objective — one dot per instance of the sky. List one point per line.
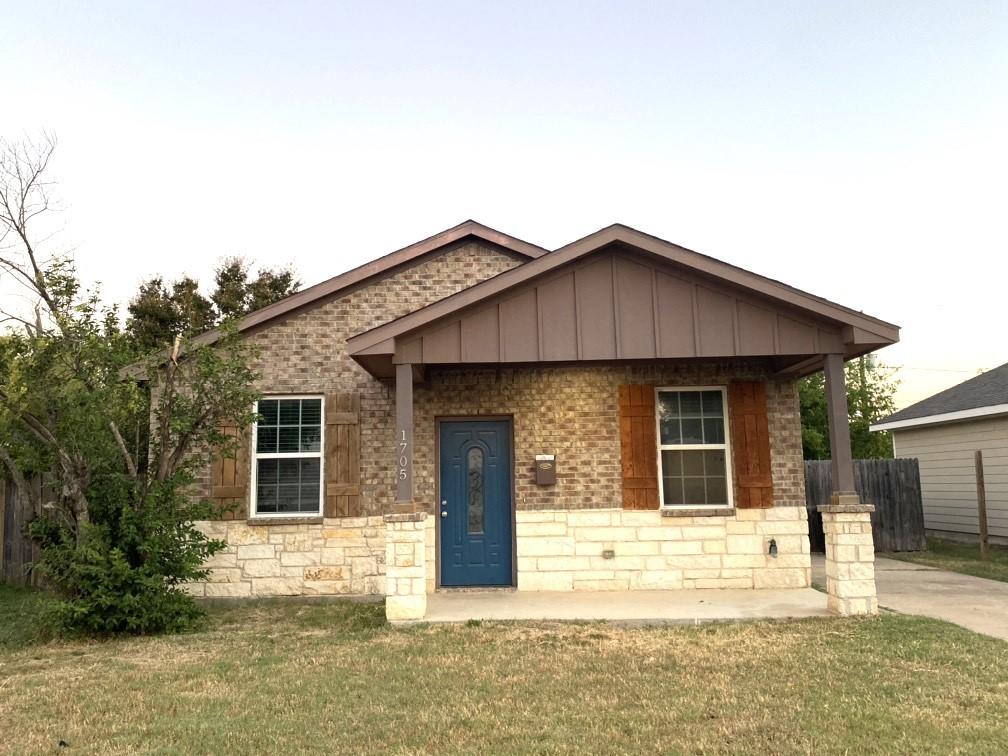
(854, 150)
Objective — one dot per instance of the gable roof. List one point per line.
(384, 265)
(863, 332)
(982, 396)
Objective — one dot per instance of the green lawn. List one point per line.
(23, 618)
(959, 557)
(297, 676)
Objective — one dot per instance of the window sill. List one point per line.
(309, 520)
(685, 512)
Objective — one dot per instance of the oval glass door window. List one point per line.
(474, 465)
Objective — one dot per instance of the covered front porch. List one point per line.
(574, 359)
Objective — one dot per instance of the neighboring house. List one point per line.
(944, 432)
(474, 410)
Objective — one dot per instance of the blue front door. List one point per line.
(475, 502)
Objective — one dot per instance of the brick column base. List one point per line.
(405, 566)
(850, 556)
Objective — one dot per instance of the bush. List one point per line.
(123, 573)
(116, 439)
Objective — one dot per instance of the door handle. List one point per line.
(444, 505)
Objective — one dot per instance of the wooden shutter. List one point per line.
(229, 477)
(750, 439)
(342, 455)
(638, 447)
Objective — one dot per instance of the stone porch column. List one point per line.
(405, 566)
(850, 550)
(850, 556)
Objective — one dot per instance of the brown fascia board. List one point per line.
(382, 265)
(362, 273)
(887, 333)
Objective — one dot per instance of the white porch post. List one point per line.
(405, 566)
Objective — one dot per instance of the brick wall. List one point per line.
(306, 353)
(570, 411)
(786, 462)
(573, 412)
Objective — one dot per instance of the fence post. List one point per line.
(981, 506)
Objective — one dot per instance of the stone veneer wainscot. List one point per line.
(558, 550)
(342, 556)
(618, 549)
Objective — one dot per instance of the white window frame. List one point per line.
(726, 446)
(256, 456)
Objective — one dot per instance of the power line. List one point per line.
(939, 370)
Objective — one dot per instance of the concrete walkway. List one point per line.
(682, 607)
(975, 603)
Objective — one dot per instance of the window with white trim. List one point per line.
(287, 465)
(694, 466)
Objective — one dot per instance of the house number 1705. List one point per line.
(403, 461)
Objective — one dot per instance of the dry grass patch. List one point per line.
(331, 677)
(959, 557)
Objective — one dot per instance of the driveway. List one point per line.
(975, 603)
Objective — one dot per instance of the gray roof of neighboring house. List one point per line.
(986, 390)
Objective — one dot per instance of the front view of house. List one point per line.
(475, 411)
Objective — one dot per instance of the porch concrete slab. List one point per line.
(671, 606)
(977, 604)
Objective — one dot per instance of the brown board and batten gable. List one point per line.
(614, 306)
(620, 294)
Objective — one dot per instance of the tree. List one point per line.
(236, 295)
(157, 313)
(870, 392)
(116, 530)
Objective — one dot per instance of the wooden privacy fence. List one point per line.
(18, 552)
(892, 485)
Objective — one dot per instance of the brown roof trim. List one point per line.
(618, 233)
(382, 265)
(377, 267)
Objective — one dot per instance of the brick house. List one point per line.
(472, 410)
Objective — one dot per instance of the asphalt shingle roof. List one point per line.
(986, 390)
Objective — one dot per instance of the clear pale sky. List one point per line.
(856, 150)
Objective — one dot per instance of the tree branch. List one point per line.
(25, 171)
(36, 426)
(130, 464)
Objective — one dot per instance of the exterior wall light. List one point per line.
(773, 548)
